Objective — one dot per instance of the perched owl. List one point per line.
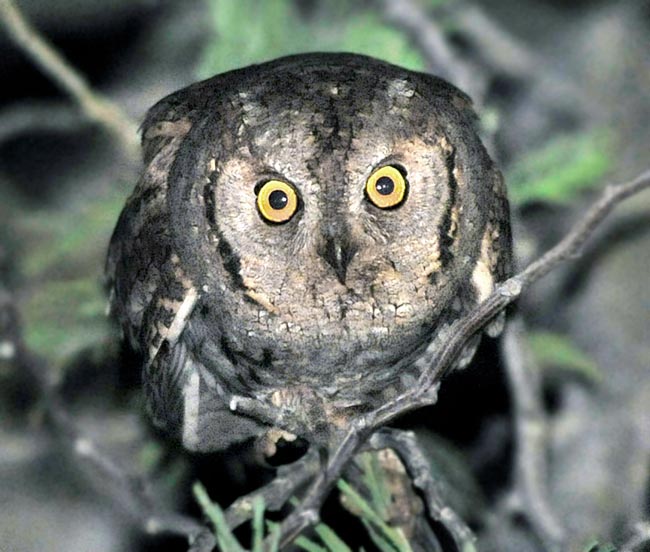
(302, 230)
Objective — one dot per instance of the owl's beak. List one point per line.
(338, 253)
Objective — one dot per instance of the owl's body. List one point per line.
(332, 297)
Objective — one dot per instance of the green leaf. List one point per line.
(394, 536)
(377, 538)
(374, 479)
(63, 317)
(595, 546)
(469, 547)
(258, 524)
(250, 31)
(274, 536)
(64, 251)
(556, 350)
(149, 455)
(225, 538)
(308, 545)
(368, 34)
(561, 169)
(333, 542)
(67, 241)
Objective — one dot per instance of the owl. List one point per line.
(303, 229)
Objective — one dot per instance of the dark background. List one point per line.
(563, 89)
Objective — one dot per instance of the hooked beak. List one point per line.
(338, 253)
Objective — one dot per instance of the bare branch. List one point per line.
(503, 53)
(639, 540)
(27, 117)
(406, 446)
(276, 493)
(95, 106)
(530, 434)
(429, 38)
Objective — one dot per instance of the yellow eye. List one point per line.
(386, 187)
(277, 201)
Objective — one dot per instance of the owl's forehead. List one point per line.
(323, 113)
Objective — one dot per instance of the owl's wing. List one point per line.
(153, 296)
(150, 294)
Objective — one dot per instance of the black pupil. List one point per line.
(278, 199)
(385, 186)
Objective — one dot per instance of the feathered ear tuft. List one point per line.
(159, 134)
(173, 116)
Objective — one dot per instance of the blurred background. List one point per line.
(563, 92)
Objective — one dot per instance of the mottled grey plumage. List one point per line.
(334, 306)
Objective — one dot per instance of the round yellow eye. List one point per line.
(277, 201)
(386, 187)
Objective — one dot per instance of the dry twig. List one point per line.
(41, 116)
(530, 426)
(95, 106)
(639, 540)
(405, 444)
(278, 492)
(429, 38)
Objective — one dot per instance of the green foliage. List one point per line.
(596, 546)
(375, 481)
(229, 543)
(558, 351)
(386, 537)
(252, 31)
(332, 542)
(372, 515)
(308, 545)
(62, 260)
(561, 169)
(225, 538)
(274, 537)
(61, 242)
(258, 523)
(367, 34)
(63, 317)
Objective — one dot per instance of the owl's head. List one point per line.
(334, 211)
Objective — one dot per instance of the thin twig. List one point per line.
(530, 433)
(95, 106)
(276, 493)
(435, 364)
(504, 54)
(40, 116)
(430, 39)
(405, 444)
(641, 538)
